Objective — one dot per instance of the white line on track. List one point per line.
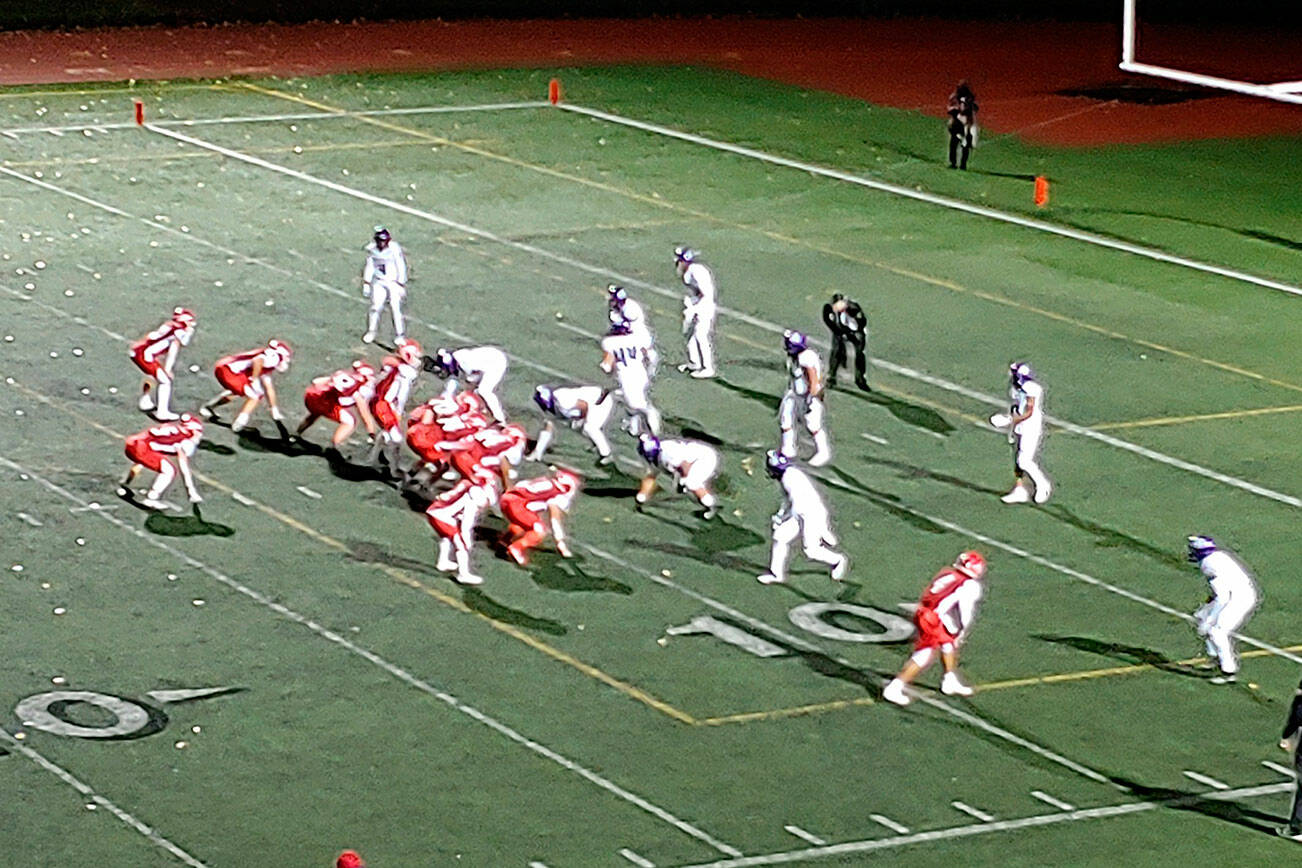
(1276, 767)
(1205, 780)
(751, 320)
(807, 837)
(897, 828)
(974, 829)
(636, 859)
(95, 798)
(391, 668)
(971, 811)
(1050, 800)
(12, 132)
(943, 201)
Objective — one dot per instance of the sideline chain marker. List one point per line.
(1041, 191)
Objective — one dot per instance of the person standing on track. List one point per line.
(845, 319)
(961, 110)
(384, 279)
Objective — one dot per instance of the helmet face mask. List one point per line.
(794, 342)
(971, 563)
(616, 295)
(444, 363)
(1200, 546)
(381, 237)
(1020, 373)
(282, 351)
(775, 463)
(410, 352)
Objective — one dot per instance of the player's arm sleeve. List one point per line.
(368, 270)
(401, 261)
(1293, 725)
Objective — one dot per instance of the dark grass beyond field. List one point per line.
(321, 750)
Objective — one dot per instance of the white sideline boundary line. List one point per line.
(755, 321)
(933, 199)
(561, 375)
(88, 792)
(394, 670)
(13, 132)
(973, 829)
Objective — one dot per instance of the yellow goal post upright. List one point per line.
(1283, 91)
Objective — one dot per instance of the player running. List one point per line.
(248, 375)
(944, 618)
(802, 514)
(699, 309)
(384, 279)
(164, 449)
(692, 464)
(1025, 425)
(341, 397)
(586, 408)
(1233, 597)
(803, 400)
(482, 368)
(535, 505)
(155, 355)
(622, 356)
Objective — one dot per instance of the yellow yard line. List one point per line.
(1203, 417)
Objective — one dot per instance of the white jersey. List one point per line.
(957, 609)
(801, 499)
(388, 265)
(1231, 583)
(1022, 397)
(566, 400)
(474, 362)
(797, 366)
(675, 455)
(627, 353)
(702, 300)
(633, 314)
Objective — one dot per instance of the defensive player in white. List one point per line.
(384, 279)
(803, 400)
(803, 514)
(1233, 597)
(482, 368)
(155, 355)
(699, 309)
(622, 355)
(586, 408)
(628, 311)
(692, 464)
(1024, 423)
(944, 618)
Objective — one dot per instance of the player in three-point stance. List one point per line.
(944, 617)
(1233, 597)
(388, 399)
(802, 514)
(622, 355)
(454, 514)
(384, 279)
(692, 464)
(342, 398)
(533, 506)
(699, 308)
(155, 355)
(586, 408)
(164, 449)
(803, 400)
(482, 368)
(629, 312)
(248, 375)
(1024, 423)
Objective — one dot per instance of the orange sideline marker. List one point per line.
(554, 91)
(1041, 191)
(140, 112)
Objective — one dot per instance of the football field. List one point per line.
(282, 673)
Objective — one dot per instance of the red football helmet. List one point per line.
(281, 349)
(410, 352)
(971, 563)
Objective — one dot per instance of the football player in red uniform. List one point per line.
(389, 398)
(155, 355)
(164, 449)
(453, 515)
(944, 618)
(341, 397)
(248, 375)
(436, 425)
(527, 505)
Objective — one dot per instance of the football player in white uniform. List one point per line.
(622, 355)
(692, 463)
(628, 311)
(384, 279)
(155, 356)
(586, 408)
(1233, 597)
(482, 368)
(1025, 425)
(803, 400)
(803, 514)
(699, 309)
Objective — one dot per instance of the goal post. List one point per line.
(1284, 91)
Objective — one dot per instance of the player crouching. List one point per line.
(435, 425)
(340, 397)
(163, 449)
(248, 375)
(692, 463)
(525, 505)
(389, 398)
(454, 514)
(155, 355)
(587, 408)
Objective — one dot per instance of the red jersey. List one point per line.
(150, 352)
(946, 582)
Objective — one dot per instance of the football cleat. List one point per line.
(165, 416)
(648, 446)
(156, 504)
(1017, 495)
(840, 568)
(775, 463)
(769, 579)
(950, 685)
(368, 338)
(1225, 678)
(381, 237)
(1200, 546)
(971, 563)
(794, 342)
(894, 692)
(469, 579)
(145, 403)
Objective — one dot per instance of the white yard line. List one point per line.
(1206, 780)
(800, 833)
(897, 828)
(391, 668)
(974, 829)
(1276, 767)
(971, 811)
(1050, 800)
(636, 859)
(755, 321)
(87, 792)
(942, 201)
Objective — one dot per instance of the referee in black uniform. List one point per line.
(1289, 741)
(846, 321)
